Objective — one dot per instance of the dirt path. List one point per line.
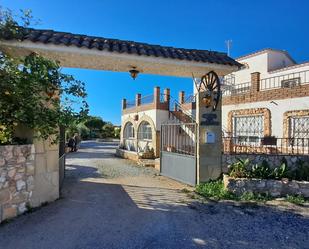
(112, 203)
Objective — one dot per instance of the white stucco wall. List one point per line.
(277, 111)
(278, 60)
(256, 64)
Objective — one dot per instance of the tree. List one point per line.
(108, 130)
(34, 93)
(94, 124)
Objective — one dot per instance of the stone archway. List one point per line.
(82, 51)
(154, 133)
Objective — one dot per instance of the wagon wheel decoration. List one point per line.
(210, 84)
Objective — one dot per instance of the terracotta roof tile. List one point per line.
(122, 46)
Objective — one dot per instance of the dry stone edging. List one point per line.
(274, 188)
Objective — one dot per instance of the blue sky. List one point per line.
(204, 24)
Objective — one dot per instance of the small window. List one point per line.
(299, 130)
(290, 82)
(144, 131)
(128, 130)
(299, 127)
(248, 129)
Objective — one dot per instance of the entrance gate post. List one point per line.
(209, 140)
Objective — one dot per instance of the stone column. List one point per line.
(208, 154)
(181, 97)
(138, 97)
(46, 178)
(255, 82)
(156, 96)
(124, 104)
(46, 163)
(167, 95)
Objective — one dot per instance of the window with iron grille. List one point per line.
(128, 130)
(290, 82)
(144, 131)
(299, 129)
(248, 129)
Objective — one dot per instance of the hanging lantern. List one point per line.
(133, 72)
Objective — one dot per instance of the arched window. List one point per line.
(128, 130)
(144, 131)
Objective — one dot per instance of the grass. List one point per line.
(298, 200)
(215, 190)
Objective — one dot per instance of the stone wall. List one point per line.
(273, 160)
(274, 188)
(16, 179)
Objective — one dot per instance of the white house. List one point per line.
(268, 97)
(264, 103)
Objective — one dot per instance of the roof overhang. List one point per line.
(80, 57)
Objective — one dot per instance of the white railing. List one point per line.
(285, 81)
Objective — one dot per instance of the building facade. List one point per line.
(265, 109)
(267, 101)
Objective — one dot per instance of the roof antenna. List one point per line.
(229, 46)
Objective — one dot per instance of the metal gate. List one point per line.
(178, 151)
(61, 156)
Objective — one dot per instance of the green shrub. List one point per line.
(34, 92)
(301, 172)
(239, 169)
(281, 171)
(214, 189)
(244, 168)
(261, 170)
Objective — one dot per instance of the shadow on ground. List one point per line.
(98, 215)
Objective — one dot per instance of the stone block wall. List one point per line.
(273, 160)
(274, 188)
(17, 168)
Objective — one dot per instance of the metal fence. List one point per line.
(190, 99)
(266, 145)
(148, 99)
(179, 138)
(237, 89)
(130, 104)
(61, 170)
(285, 81)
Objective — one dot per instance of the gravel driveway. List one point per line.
(109, 202)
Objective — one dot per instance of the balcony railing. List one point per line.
(285, 81)
(190, 99)
(148, 99)
(236, 89)
(155, 100)
(130, 104)
(267, 145)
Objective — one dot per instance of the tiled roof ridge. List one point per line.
(119, 40)
(48, 36)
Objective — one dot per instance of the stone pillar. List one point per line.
(208, 154)
(181, 97)
(46, 177)
(167, 95)
(124, 104)
(46, 163)
(156, 96)
(255, 82)
(138, 97)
